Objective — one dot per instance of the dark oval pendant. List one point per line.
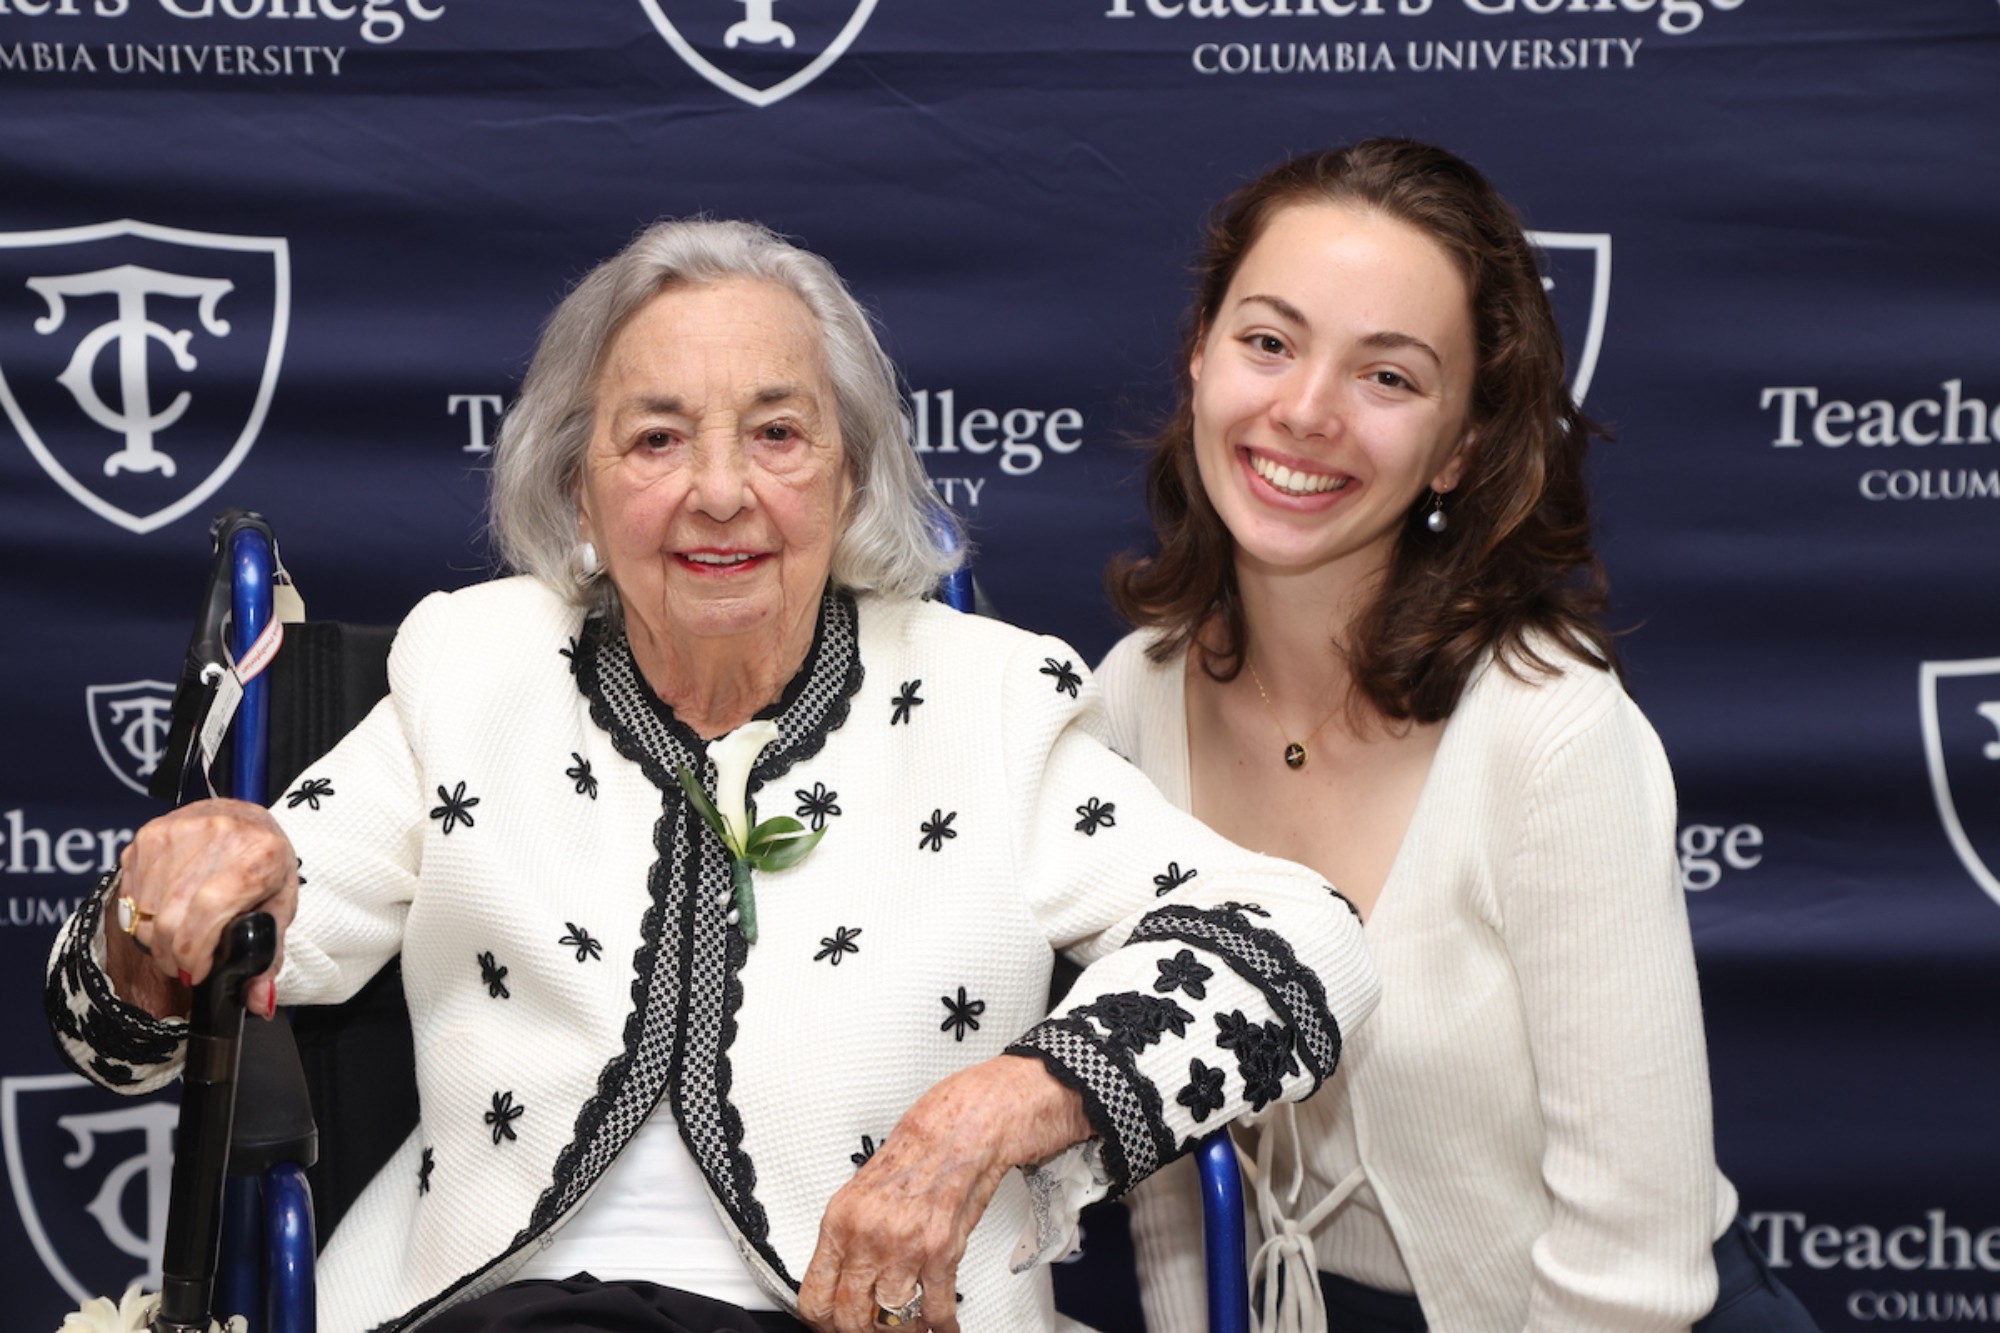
(1295, 755)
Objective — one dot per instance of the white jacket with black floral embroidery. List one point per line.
(513, 805)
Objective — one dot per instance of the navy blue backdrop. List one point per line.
(293, 254)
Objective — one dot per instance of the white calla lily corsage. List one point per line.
(778, 843)
(133, 1314)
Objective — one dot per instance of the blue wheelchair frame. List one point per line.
(268, 1267)
(243, 1243)
(267, 1242)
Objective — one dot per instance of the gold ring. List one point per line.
(899, 1316)
(130, 914)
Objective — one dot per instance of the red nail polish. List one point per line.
(271, 1002)
(186, 980)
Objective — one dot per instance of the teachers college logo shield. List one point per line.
(762, 51)
(1576, 273)
(89, 1174)
(1961, 713)
(137, 362)
(129, 722)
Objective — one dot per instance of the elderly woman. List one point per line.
(675, 1064)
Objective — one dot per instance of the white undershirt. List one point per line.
(650, 1220)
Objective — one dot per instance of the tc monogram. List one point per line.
(130, 331)
(1990, 710)
(155, 1162)
(758, 26)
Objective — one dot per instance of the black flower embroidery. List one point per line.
(904, 702)
(1067, 681)
(1263, 1081)
(1232, 1029)
(1264, 1055)
(962, 1014)
(585, 780)
(570, 653)
(503, 1115)
(579, 939)
(936, 829)
(309, 793)
(457, 807)
(424, 1170)
(495, 977)
(1170, 879)
(1252, 908)
(1184, 972)
(868, 1149)
(841, 942)
(1134, 1021)
(301, 871)
(817, 806)
(1096, 815)
(1203, 1094)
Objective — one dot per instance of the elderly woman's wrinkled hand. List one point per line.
(904, 1219)
(183, 879)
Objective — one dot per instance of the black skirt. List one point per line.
(584, 1303)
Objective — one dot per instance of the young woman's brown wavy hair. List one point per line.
(1515, 560)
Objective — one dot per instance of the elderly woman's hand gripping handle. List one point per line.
(183, 879)
(904, 1218)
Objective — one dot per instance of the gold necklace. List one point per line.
(1295, 751)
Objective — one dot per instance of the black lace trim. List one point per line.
(124, 1041)
(1262, 958)
(687, 988)
(833, 681)
(1121, 1104)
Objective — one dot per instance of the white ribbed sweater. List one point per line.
(1531, 1098)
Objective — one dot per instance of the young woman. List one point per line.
(1370, 642)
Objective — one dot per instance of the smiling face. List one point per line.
(1331, 388)
(715, 485)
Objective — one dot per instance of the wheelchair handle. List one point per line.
(208, 1111)
(206, 657)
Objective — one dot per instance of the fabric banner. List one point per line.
(292, 255)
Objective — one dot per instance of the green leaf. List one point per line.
(775, 829)
(786, 851)
(702, 805)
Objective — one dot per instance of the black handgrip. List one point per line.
(208, 1107)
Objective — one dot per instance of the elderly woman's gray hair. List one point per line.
(898, 538)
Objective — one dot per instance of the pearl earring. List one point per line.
(586, 562)
(1435, 520)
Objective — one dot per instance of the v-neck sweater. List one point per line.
(1530, 1103)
